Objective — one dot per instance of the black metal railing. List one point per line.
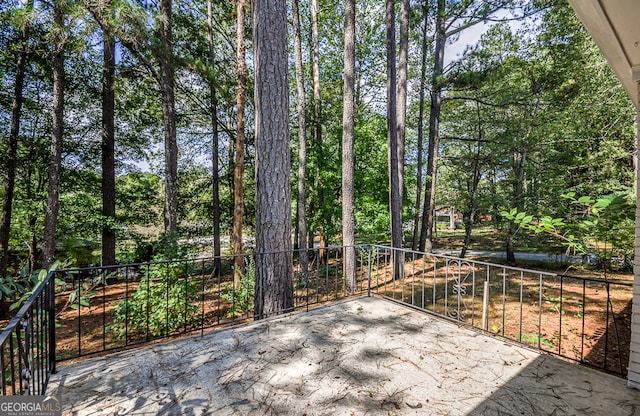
(102, 309)
(27, 353)
(582, 319)
(81, 312)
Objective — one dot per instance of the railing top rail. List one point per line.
(6, 333)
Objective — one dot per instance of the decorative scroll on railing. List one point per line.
(582, 319)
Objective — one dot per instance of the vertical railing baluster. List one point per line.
(459, 289)
(52, 323)
(504, 297)
(12, 360)
(126, 306)
(148, 282)
(446, 287)
(606, 327)
(219, 278)
(433, 292)
(78, 292)
(168, 279)
(202, 290)
(369, 271)
(104, 309)
(521, 299)
(3, 367)
(20, 357)
(561, 304)
(540, 313)
(584, 297)
(422, 279)
(186, 293)
(473, 295)
(339, 282)
(413, 278)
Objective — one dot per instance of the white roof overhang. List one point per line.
(615, 27)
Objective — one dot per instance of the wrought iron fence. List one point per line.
(581, 319)
(81, 312)
(27, 353)
(104, 309)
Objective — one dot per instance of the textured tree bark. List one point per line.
(31, 189)
(12, 150)
(395, 203)
(302, 146)
(215, 148)
(401, 104)
(348, 155)
(426, 243)
(108, 150)
(53, 194)
(167, 85)
(317, 113)
(274, 268)
(238, 171)
(423, 77)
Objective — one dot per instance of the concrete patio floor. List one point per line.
(362, 356)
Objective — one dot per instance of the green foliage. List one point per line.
(532, 338)
(12, 288)
(555, 304)
(19, 293)
(608, 219)
(371, 188)
(163, 301)
(139, 200)
(241, 298)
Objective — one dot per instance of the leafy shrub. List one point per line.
(242, 298)
(163, 300)
(18, 291)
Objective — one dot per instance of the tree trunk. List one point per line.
(519, 198)
(423, 77)
(108, 151)
(470, 212)
(12, 150)
(215, 148)
(348, 155)
(53, 193)
(302, 147)
(274, 285)
(520, 176)
(167, 85)
(426, 243)
(238, 172)
(317, 112)
(33, 218)
(395, 204)
(401, 104)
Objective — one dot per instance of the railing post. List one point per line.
(369, 271)
(52, 322)
(485, 306)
